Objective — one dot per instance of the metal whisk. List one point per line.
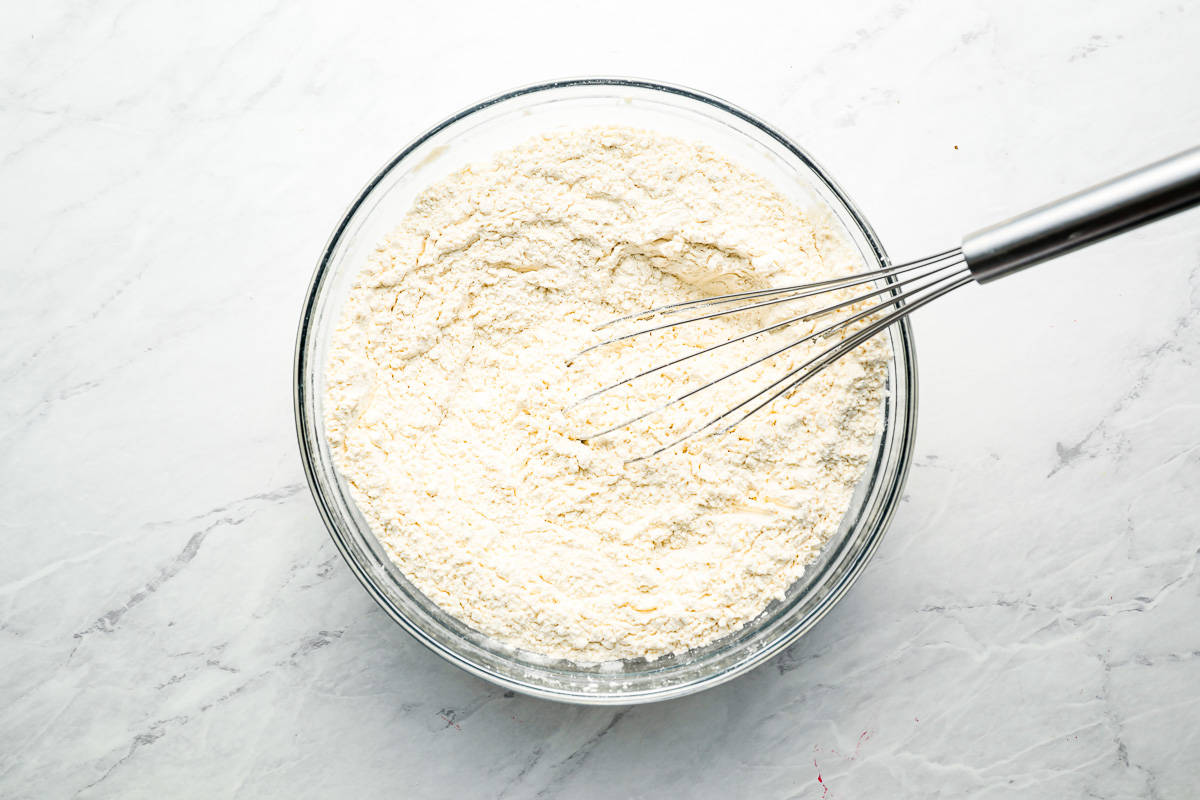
(1081, 219)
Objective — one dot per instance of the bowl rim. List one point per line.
(889, 499)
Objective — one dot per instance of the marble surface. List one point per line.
(174, 620)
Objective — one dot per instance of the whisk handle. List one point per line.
(1075, 221)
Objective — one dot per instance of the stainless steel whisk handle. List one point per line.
(1121, 204)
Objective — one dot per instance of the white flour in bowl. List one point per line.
(447, 379)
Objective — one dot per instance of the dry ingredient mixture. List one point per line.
(448, 376)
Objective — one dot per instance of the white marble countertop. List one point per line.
(174, 620)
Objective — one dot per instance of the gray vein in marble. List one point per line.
(1115, 725)
(144, 739)
(109, 620)
(568, 767)
(1172, 343)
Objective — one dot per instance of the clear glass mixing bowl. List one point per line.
(475, 134)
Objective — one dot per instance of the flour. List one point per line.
(448, 376)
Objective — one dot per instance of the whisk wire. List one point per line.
(830, 284)
(793, 293)
(825, 358)
(902, 301)
(955, 266)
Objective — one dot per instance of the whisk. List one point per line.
(1121, 204)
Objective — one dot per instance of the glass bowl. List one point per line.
(476, 134)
